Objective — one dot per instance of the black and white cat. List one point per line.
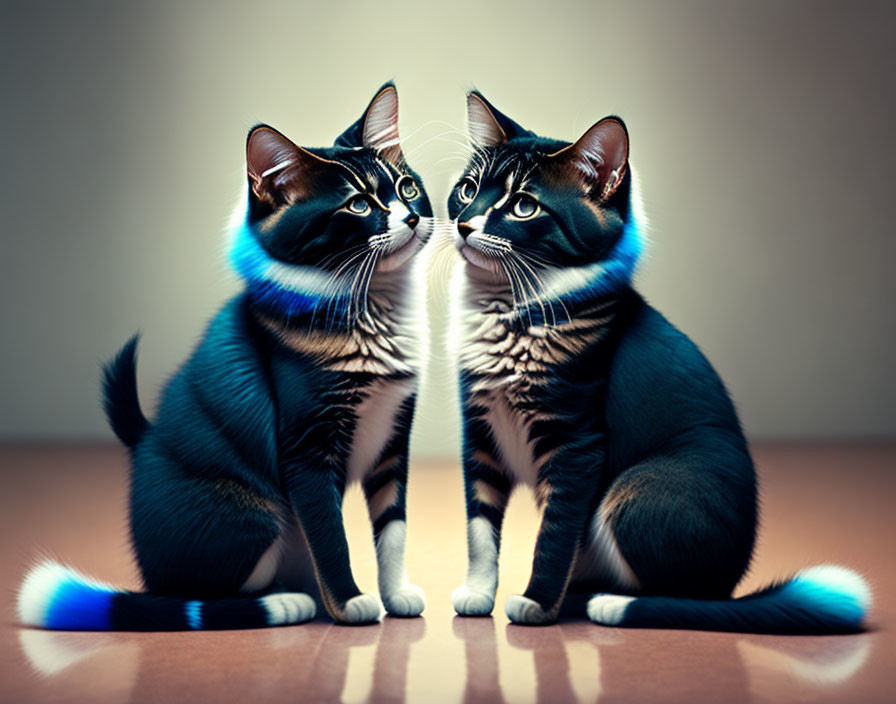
(572, 384)
(301, 384)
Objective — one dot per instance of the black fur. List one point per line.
(631, 430)
(120, 396)
(249, 452)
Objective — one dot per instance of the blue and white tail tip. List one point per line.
(57, 597)
(821, 599)
(51, 593)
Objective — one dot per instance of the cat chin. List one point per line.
(481, 266)
(398, 258)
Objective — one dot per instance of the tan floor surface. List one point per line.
(820, 503)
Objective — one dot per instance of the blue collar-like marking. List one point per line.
(287, 290)
(613, 273)
(578, 286)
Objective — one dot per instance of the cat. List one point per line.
(302, 383)
(571, 383)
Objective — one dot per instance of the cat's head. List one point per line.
(320, 223)
(554, 220)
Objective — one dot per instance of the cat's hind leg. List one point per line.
(208, 550)
(675, 526)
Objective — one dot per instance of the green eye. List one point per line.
(525, 207)
(466, 192)
(407, 188)
(358, 205)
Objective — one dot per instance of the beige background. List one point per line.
(762, 133)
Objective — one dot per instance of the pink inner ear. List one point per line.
(268, 151)
(601, 154)
(482, 125)
(381, 123)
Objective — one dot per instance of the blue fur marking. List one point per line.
(832, 602)
(820, 600)
(79, 606)
(193, 612)
(616, 270)
(254, 265)
(609, 275)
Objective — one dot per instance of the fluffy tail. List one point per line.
(59, 598)
(820, 600)
(120, 395)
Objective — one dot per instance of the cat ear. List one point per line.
(380, 126)
(377, 128)
(278, 170)
(482, 122)
(600, 156)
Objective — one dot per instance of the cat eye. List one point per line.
(407, 188)
(358, 205)
(466, 192)
(524, 207)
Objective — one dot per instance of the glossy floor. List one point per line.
(829, 503)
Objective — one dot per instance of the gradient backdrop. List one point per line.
(762, 133)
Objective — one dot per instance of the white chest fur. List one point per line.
(376, 419)
(384, 349)
(510, 365)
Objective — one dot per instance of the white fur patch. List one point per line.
(375, 425)
(288, 607)
(601, 560)
(400, 597)
(476, 597)
(364, 608)
(511, 431)
(468, 602)
(839, 579)
(608, 609)
(523, 610)
(390, 557)
(265, 569)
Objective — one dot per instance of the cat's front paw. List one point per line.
(525, 611)
(407, 601)
(468, 602)
(364, 608)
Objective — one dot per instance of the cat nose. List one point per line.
(464, 229)
(412, 220)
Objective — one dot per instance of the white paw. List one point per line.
(523, 610)
(608, 609)
(472, 603)
(364, 608)
(407, 601)
(288, 607)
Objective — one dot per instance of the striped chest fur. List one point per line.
(510, 367)
(376, 363)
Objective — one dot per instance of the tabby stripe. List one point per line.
(498, 480)
(494, 514)
(393, 513)
(387, 496)
(374, 482)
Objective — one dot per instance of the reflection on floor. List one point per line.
(442, 657)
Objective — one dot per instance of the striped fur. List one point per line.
(301, 384)
(572, 384)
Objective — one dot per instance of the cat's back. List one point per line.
(662, 388)
(219, 401)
